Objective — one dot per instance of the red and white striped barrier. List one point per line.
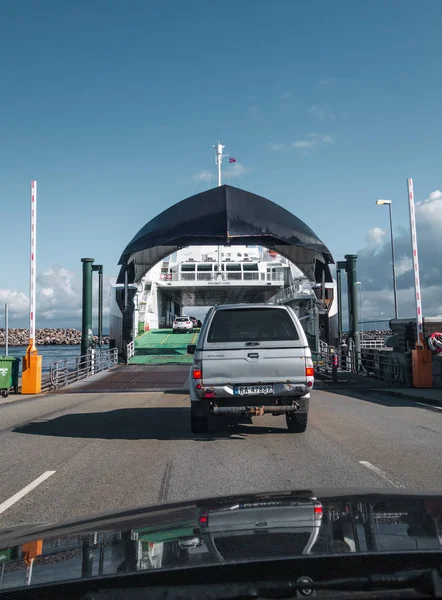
(33, 263)
(417, 285)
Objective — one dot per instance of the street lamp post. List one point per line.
(359, 284)
(389, 203)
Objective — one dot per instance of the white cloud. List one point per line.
(322, 112)
(378, 304)
(204, 175)
(325, 81)
(375, 236)
(235, 170)
(230, 171)
(310, 141)
(253, 111)
(58, 300)
(18, 302)
(277, 147)
(375, 269)
(430, 209)
(403, 265)
(287, 95)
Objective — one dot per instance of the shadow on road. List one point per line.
(375, 396)
(143, 424)
(160, 332)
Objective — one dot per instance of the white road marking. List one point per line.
(429, 405)
(28, 488)
(381, 473)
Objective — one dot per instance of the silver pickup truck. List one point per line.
(251, 359)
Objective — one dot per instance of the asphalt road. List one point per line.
(89, 453)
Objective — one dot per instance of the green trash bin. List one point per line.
(9, 371)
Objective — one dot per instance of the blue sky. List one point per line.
(113, 107)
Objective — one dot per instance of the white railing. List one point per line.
(224, 276)
(204, 276)
(251, 276)
(295, 290)
(376, 343)
(130, 350)
(70, 370)
(275, 276)
(323, 347)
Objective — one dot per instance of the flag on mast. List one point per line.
(232, 160)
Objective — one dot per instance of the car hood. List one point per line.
(222, 529)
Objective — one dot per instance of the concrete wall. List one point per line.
(437, 371)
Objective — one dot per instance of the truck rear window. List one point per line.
(252, 324)
(262, 545)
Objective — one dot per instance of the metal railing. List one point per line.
(67, 371)
(130, 350)
(369, 363)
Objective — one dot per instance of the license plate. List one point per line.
(245, 390)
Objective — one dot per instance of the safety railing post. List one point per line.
(334, 366)
(64, 372)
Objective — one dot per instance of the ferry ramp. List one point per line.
(162, 346)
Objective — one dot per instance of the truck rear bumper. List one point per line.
(256, 410)
(293, 390)
(253, 406)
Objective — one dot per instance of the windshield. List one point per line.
(274, 170)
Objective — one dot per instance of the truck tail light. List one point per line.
(318, 512)
(197, 370)
(309, 369)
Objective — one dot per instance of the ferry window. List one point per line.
(233, 267)
(187, 267)
(250, 267)
(204, 268)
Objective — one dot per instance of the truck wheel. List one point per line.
(296, 422)
(199, 424)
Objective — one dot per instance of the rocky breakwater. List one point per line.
(46, 337)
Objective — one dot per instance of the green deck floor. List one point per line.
(161, 346)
